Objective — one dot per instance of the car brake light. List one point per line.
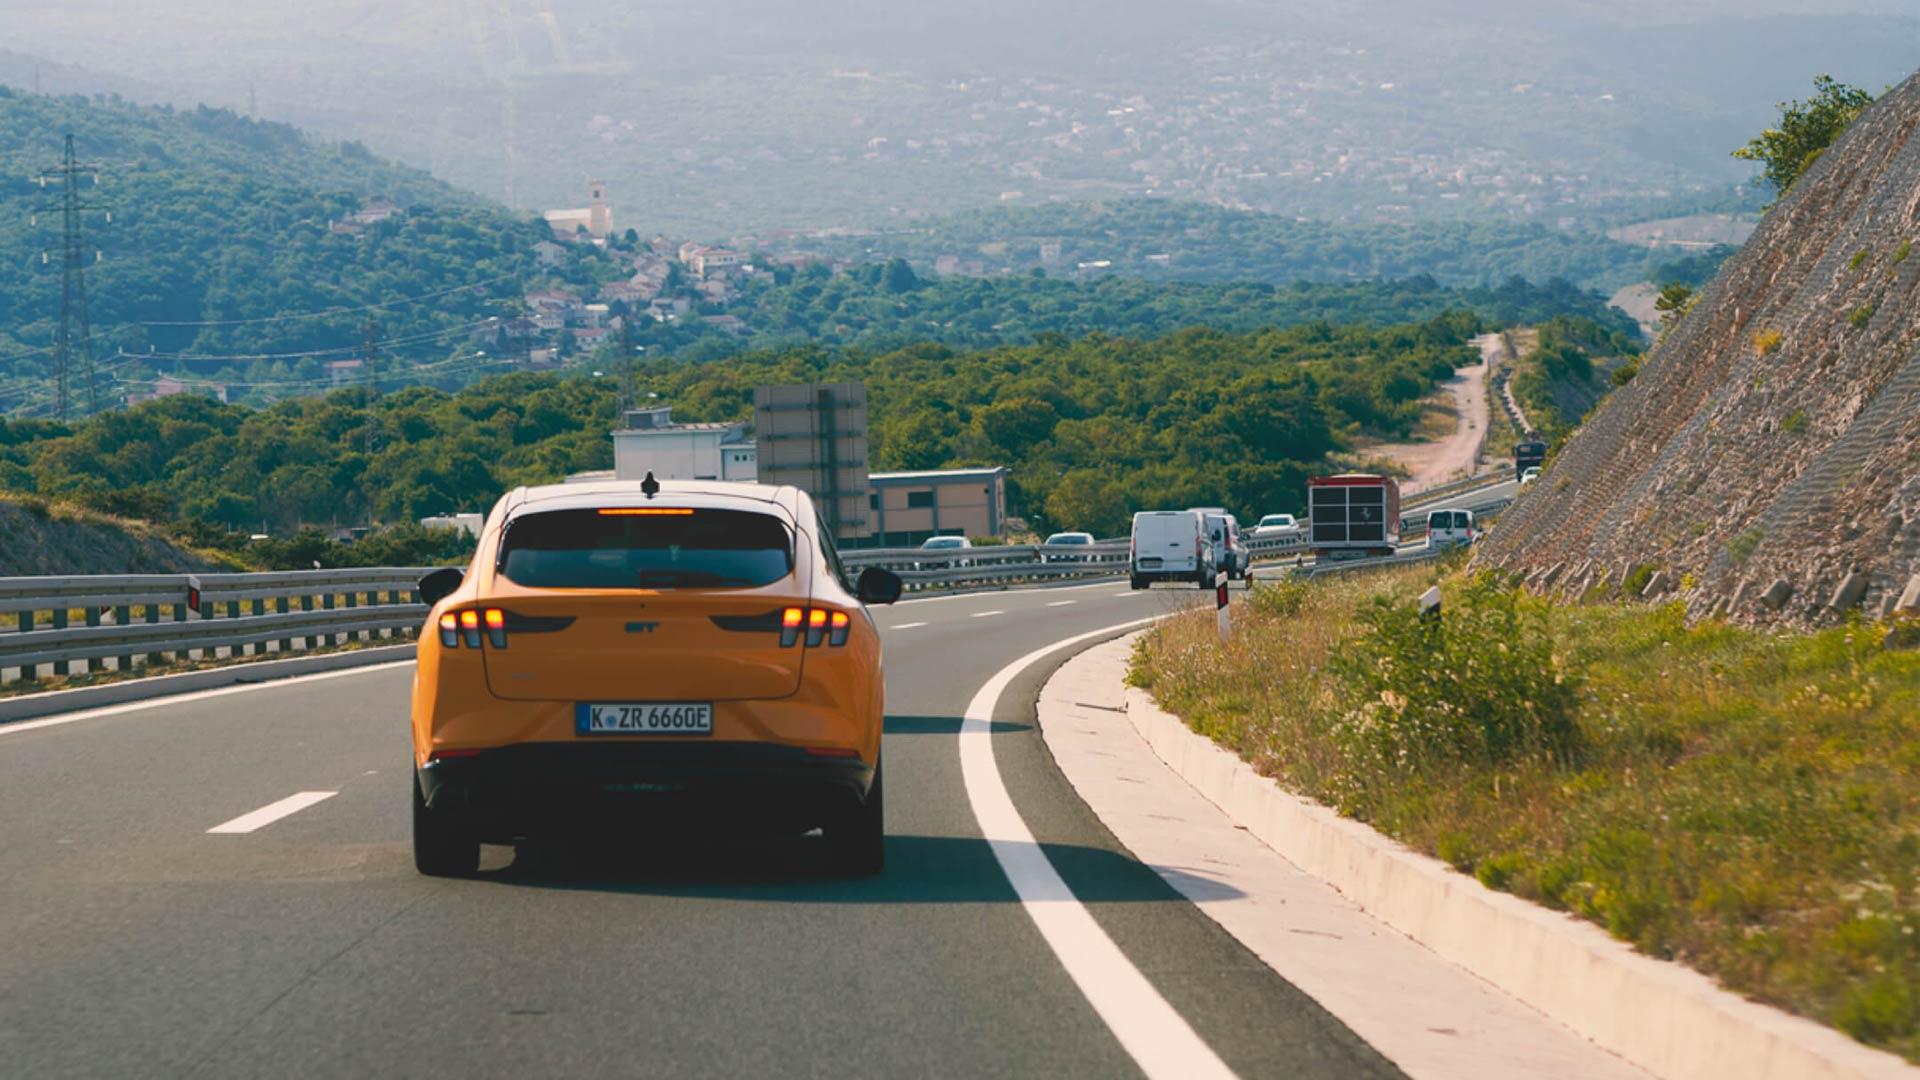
(840, 625)
(816, 626)
(496, 621)
(790, 621)
(449, 631)
(470, 628)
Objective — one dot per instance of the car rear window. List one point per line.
(646, 548)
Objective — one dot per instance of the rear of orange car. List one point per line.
(615, 658)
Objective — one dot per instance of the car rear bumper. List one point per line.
(526, 787)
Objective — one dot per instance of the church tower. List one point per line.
(599, 214)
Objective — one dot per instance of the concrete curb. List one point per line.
(31, 706)
(1667, 1019)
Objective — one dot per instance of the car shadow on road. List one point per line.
(793, 869)
(941, 725)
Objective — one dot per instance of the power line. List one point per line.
(414, 338)
(331, 312)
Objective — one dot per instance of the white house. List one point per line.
(652, 442)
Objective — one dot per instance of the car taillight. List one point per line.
(822, 626)
(494, 623)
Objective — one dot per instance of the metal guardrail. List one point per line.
(1454, 487)
(120, 621)
(1001, 564)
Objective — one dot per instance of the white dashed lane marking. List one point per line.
(984, 614)
(1062, 603)
(906, 626)
(272, 812)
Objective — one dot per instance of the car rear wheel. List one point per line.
(1137, 583)
(856, 839)
(440, 848)
(1203, 579)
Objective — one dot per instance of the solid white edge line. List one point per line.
(271, 813)
(1152, 1032)
(17, 726)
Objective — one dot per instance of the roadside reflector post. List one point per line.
(1430, 605)
(1221, 616)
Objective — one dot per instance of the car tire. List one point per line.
(1203, 579)
(440, 848)
(1136, 583)
(857, 838)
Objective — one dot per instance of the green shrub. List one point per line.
(1795, 423)
(1858, 258)
(1624, 374)
(1481, 683)
(1637, 578)
(1744, 544)
(1861, 316)
(1900, 253)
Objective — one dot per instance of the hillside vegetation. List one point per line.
(879, 307)
(1092, 429)
(221, 243)
(38, 538)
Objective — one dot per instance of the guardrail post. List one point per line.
(153, 616)
(180, 615)
(280, 607)
(25, 624)
(59, 623)
(307, 641)
(326, 604)
(353, 601)
(91, 616)
(123, 616)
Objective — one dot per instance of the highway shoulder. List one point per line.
(1428, 1016)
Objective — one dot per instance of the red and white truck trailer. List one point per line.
(1353, 515)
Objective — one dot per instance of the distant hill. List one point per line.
(231, 222)
(1173, 240)
(1769, 448)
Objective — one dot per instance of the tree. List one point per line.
(1673, 303)
(1806, 130)
(900, 277)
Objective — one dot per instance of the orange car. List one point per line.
(648, 656)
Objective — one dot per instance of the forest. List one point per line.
(1092, 428)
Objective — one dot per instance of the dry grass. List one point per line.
(1748, 804)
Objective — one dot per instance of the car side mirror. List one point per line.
(879, 586)
(440, 584)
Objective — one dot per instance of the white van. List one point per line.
(1449, 528)
(1169, 545)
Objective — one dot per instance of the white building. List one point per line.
(652, 442)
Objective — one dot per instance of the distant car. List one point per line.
(1276, 525)
(1449, 528)
(941, 545)
(1061, 547)
(1530, 474)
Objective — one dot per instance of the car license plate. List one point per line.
(644, 718)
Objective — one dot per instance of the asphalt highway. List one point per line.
(299, 939)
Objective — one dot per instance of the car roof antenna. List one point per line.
(650, 487)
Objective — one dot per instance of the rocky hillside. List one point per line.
(37, 539)
(1765, 463)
